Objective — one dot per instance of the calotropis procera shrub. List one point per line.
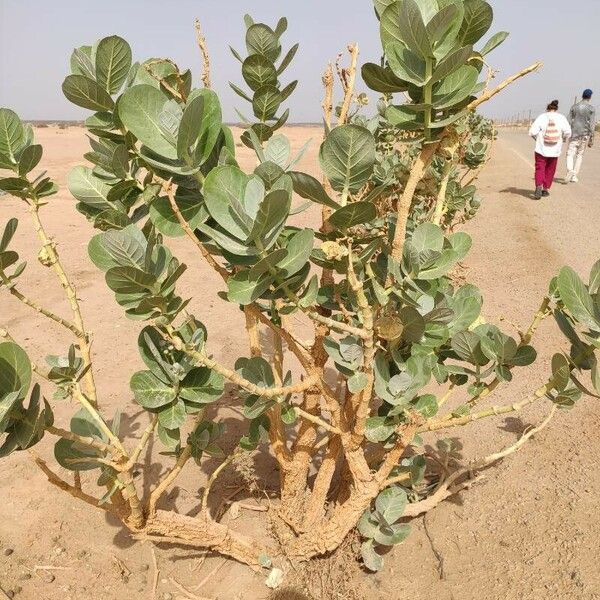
(400, 337)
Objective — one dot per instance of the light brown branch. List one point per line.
(488, 95)
(84, 343)
(201, 41)
(348, 82)
(54, 479)
(448, 487)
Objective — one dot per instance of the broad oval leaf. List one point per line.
(15, 371)
(149, 391)
(88, 188)
(310, 188)
(353, 214)
(30, 158)
(113, 61)
(347, 157)
(262, 40)
(258, 71)
(140, 109)
(172, 416)
(12, 134)
(85, 92)
(476, 22)
(266, 102)
(382, 79)
(576, 298)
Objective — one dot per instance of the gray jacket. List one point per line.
(582, 119)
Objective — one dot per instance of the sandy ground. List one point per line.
(529, 531)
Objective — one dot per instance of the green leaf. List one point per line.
(395, 534)
(494, 42)
(381, 5)
(278, 150)
(347, 157)
(258, 71)
(82, 62)
(164, 219)
(427, 236)
(12, 133)
(405, 64)
(358, 382)
(413, 324)
(224, 191)
(126, 247)
(29, 159)
(455, 88)
(452, 63)
(88, 188)
(271, 216)
(113, 61)
(467, 345)
(379, 429)
(353, 214)
(129, 280)
(172, 416)
(15, 370)
(411, 29)
(266, 102)
(142, 109)
(577, 298)
(561, 371)
(9, 232)
(149, 391)
(200, 126)
(372, 560)
(85, 92)
(262, 40)
(202, 386)
(299, 248)
(287, 59)
(391, 503)
(477, 20)
(525, 356)
(403, 117)
(594, 286)
(244, 291)
(382, 79)
(444, 25)
(310, 188)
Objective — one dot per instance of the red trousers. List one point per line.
(545, 168)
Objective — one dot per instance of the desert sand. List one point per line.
(528, 531)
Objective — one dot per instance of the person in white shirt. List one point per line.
(550, 130)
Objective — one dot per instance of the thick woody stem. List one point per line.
(405, 202)
(253, 332)
(362, 401)
(440, 204)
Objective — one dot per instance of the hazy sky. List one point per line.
(37, 36)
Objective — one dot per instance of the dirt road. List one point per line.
(529, 531)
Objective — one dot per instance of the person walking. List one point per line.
(549, 131)
(582, 119)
